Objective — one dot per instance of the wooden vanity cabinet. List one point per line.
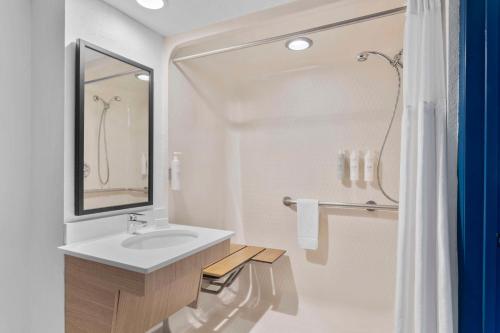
(105, 299)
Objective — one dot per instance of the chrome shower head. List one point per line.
(105, 104)
(363, 56)
(395, 61)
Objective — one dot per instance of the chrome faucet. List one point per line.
(133, 224)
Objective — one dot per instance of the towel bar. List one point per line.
(370, 205)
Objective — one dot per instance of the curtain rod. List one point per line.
(269, 40)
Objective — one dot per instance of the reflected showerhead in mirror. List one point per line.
(107, 105)
(299, 44)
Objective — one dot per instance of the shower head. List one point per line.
(395, 61)
(363, 56)
(106, 105)
(97, 98)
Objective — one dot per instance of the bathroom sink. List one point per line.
(150, 250)
(159, 239)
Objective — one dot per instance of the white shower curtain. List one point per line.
(424, 287)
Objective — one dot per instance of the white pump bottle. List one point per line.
(354, 166)
(340, 165)
(175, 172)
(369, 166)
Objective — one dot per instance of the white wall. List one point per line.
(103, 25)
(15, 146)
(37, 145)
(31, 196)
(46, 299)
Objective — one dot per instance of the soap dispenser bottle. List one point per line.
(354, 166)
(340, 165)
(175, 172)
(369, 166)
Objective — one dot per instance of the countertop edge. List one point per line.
(151, 269)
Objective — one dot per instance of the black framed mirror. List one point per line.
(114, 131)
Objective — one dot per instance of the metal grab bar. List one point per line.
(370, 205)
(116, 189)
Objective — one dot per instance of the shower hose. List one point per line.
(386, 136)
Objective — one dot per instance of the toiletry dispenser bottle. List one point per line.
(175, 172)
(144, 165)
(340, 165)
(354, 165)
(369, 166)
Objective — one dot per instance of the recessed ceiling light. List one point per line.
(299, 44)
(151, 4)
(142, 77)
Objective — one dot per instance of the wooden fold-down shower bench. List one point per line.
(222, 274)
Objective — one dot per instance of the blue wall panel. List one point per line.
(479, 166)
(491, 157)
(471, 166)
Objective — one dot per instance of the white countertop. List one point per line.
(109, 250)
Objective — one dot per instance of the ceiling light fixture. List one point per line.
(142, 77)
(151, 4)
(299, 44)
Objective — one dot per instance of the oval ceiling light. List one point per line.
(151, 4)
(142, 77)
(299, 44)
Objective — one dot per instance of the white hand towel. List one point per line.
(308, 223)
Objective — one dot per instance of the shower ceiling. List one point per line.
(335, 47)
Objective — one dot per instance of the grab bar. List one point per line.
(370, 205)
(116, 189)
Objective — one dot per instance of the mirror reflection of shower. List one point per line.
(102, 137)
(397, 64)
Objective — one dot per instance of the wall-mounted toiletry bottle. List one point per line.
(354, 165)
(144, 165)
(369, 166)
(340, 165)
(175, 172)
